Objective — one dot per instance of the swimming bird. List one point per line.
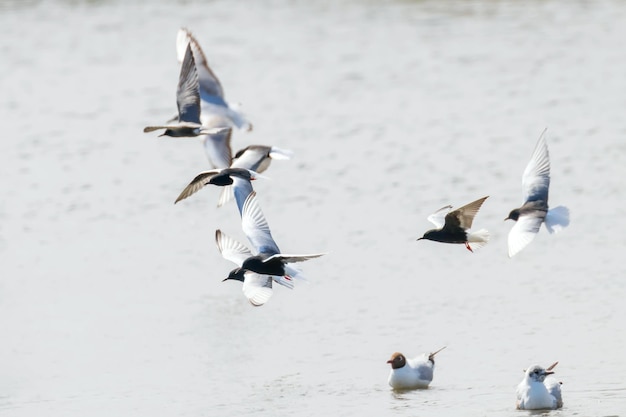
(256, 158)
(212, 99)
(268, 260)
(535, 392)
(534, 211)
(239, 177)
(257, 288)
(453, 226)
(411, 373)
(188, 102)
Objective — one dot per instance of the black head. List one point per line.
(429, 235)
(397, 360)
(236, 274)
(221, 180)
(513, 215)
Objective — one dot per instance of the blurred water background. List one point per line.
(111, 297)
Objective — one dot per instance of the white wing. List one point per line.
(438, 218)
(255, 226)
(554, 388)
(295, 258)
(207, 79)
(257, 288)
(217, 148)
(231, 249)
(523, 232)
(536, 177)
(254, 157)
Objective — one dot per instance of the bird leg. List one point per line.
(468, 247)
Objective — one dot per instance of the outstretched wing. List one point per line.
(255, 226)
(217, 148)
(536, 177)
(523, 232)
(464, 216)
(231, 249)
(257, 288)
(197, 183)
(209, 83)
(286, 258)
(438, 217)
(188, 94)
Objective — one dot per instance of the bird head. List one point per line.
(513, 215)
(236, 274)
(397, 360)
(538, 373)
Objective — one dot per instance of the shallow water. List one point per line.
(111, 300)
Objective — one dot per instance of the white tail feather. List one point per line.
(557, 219)
(280, 154)
(478, 239)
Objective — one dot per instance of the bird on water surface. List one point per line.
(535, 211)
(536, 392)
(411, 373)
(453, 226)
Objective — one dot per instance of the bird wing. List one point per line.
(188, 94)
(554, 388)
(251, 157)
(464, 216)
(257, 288)
(255, 226)
(287, 258)
(197, 183)
(523, 232)
(231, 249)
(209, 83)
(217, 148)
(438, 217)
(536, 177)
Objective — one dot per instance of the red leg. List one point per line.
(468, 247)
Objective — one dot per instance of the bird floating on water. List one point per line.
(535, 211)
(412, 373)
(536, 392)
(453, 226)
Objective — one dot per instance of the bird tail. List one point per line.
(278, 153)
(294, 274)
(284, 281)
(478, 239)
(557, 219)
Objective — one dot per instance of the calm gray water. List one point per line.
(111, 300)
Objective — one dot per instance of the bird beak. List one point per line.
(162, 134)
(549, 372)
(419, 238)
(225, 279)
(389, 361)
(507, 219)
(551, 367)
